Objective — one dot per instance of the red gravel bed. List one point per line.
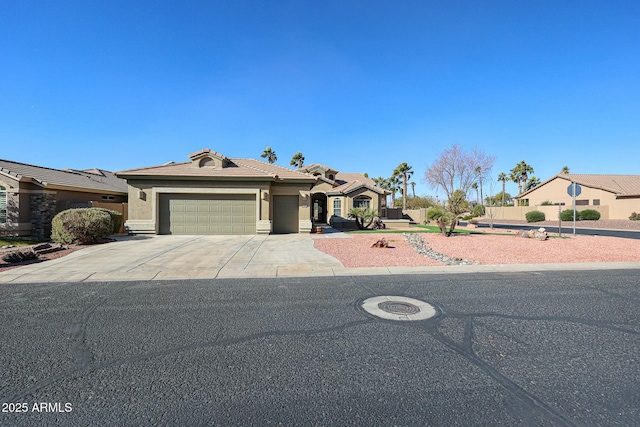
(508, 249)
(357, 251)
(484, 248)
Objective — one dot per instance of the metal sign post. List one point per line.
(574, 190)
(559, 220)
(574, 208)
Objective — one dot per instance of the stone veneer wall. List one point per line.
(43, 209)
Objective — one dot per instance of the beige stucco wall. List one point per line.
(343, 212)
(555, 191)
(364, 192)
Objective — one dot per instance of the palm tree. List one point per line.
(413, 188)
(405, 171)
(393, 183)
(565, 169)
(520, 175)
(269, 154)
(533, 182)
(297, 160)
(475, 187)
(382, 183)
(502, 177)
(479, 172)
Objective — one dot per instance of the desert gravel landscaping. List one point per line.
(483, 248)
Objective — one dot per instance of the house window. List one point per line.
(584, 202)
(108, 197)
(362, 203)
(331, 176)
(3, 205)
(337, 207)
(596, 202)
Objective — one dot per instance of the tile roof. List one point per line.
(317, 166)
(620, 185)
(89, 179)
(237, 168)
(351, 186)
(344, 177)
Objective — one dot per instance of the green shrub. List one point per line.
(546, 203)
(535, 216)
(467, 217)
(634, 216)
(590, 214)
(566, 215)
(478, 210)
(19, 256)
(116, 219)
(87, 225)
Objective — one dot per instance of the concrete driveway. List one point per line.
(184, 257)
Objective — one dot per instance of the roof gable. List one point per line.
(620, 185)
(92, 179)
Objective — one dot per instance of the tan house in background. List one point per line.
(30, 196)
(615, 196)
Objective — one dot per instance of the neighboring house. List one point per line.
(615, 196)
(214, 194)
(30, 196)
(335, 193)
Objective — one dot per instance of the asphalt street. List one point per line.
(538, 348)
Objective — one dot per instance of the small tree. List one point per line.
(443, 218)
(364, 217)
(455, 171)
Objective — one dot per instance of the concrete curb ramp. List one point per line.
(216, 257)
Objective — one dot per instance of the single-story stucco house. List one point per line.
(215, 194)
(30, 196)
(615, 196)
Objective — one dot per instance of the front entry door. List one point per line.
(319, 210)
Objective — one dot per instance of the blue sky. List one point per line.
(358, 85)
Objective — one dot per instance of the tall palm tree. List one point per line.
(404, 170)
(413, 188)
(393, 183)
(479, 172)
(382, 183)
(297, 160)
(520, 175)
(475, 187)
(565, 169)
(503, 177)
(269, 154)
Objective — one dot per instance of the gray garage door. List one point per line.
(207, 214)
(285, 214)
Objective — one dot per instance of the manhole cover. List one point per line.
(398, 308)
(394, 307)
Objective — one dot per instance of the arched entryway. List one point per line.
(319, 208)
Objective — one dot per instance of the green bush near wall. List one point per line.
(566, 215)
(589, 214)
(116, 219)
(535, 216)
(81, 226)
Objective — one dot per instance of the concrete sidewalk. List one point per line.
(210, 257)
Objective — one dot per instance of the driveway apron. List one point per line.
(183, 257)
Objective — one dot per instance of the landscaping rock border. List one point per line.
(421, 247)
